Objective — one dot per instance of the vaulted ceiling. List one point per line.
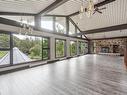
(114, 14)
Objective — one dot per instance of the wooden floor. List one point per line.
(85, 75)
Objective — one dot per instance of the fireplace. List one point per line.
(105, 49)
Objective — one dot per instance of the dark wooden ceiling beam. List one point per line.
(17, 14)
(110, 38)
(106, 29)
(51, 7)
(96, 5)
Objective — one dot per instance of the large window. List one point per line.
(60, 25)
(81, 47)
(73, 48)
(16, 49)
(26, 19)
(4, 49)
(47, 23)
(26, 48)
(60, 48)
(71, 29)
(45, 49)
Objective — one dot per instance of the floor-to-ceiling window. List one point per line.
(73, 48)
(4, 49)
(45, 48)
(60, 47)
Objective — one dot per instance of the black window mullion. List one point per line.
(11, 49)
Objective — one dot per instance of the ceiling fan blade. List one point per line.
(99, 11)
(102, 8)
(94, 12)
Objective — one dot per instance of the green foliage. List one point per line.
(30, 46)
(2, 54)
(81, 47)
(45, 54)
(73, 49)
(60, 48)
(35, 51)
(4, 41)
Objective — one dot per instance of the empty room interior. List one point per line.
(63, 47)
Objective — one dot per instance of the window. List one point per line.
(26, 48)
(60, 25)
(26, 19)
(60, 48)
(45, 48)
(71, 29)
(78, 32)
(81, 47)
(73, 48)
(47, 23)
(86, 47)
(4, 49)
(83, 37)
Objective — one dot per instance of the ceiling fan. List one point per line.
(96, 9)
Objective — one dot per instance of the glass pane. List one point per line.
(45, 54)
(4, 57)
(83, 37)
(60, 25)
(4, 41)
(73, 49)
(71, 28)
(86, 48)
(60, 48)
(26, 19)
(26, 48)
(82, 47)
(78, 32)
(45, 43)
(47, 23)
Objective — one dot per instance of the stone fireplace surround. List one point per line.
(110, 43)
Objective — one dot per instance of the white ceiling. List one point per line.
(118, 33)
(24, 6)
(69, 7)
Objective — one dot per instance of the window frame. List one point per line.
(48, 48)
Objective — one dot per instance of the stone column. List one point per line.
(125, 54)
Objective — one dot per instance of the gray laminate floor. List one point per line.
(85, 75)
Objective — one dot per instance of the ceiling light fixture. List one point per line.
(26, 26)
(88, 10)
